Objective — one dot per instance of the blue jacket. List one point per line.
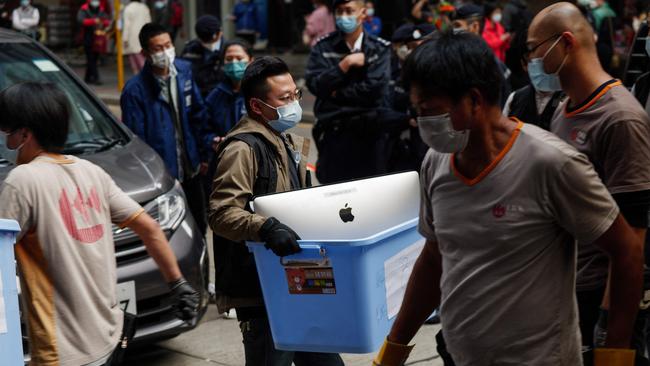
(147, 114)
(245, 16)
(372, 25)
(226, 108)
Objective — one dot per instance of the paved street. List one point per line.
(217, 341)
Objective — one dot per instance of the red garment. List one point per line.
(90, 22)
(177, 14)
(492, 33)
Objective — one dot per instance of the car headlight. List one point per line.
(168, 209)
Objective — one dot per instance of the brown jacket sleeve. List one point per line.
(232, 188)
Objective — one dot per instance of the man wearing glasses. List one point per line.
(604, 121)
(258, 157)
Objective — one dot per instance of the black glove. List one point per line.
(186, 305)
(279, 238)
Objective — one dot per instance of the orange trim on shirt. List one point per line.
(128, 221)
(592, 101)
(57, 158)
(493, 164)
(39, 293)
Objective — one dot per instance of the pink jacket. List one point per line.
(319, 23)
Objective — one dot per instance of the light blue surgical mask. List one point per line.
(235, 70)
(24, 2)
(347, 23)
(539, 78)
(288, 116)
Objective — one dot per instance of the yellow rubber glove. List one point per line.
(392, 354)
(614, 357)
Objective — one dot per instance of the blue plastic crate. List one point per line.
(11, 343)
(332, 297)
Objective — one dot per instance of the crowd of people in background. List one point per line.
(366, 121)
(392, 96)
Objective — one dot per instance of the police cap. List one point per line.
(403, 33)
(207, 26)
(339, 2)
(468, 11)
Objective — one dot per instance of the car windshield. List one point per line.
(91, 128)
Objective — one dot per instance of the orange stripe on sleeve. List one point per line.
(126, 222)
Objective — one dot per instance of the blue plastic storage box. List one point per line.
(336, 296)
(11, 341)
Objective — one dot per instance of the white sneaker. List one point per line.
(231, 314)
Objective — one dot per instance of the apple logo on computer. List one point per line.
(346, 214)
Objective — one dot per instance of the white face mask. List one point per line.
(11, 155)
(163, 59)
(439, 134)
(403, 52)
(497, 17)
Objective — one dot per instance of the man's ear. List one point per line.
(476, 98)
(255, 106)
(364, 13)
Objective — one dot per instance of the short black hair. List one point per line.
(237, 42)
(254, 83)
(41, 108)
(149, 31)
(452, 64)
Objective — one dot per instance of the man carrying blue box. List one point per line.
(503, 205)
(258, 157)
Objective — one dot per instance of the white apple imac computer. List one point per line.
(346, 211)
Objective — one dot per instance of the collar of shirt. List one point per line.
(357, 44)
(172, 73)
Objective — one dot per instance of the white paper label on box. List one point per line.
(397, 270)
(3, 314)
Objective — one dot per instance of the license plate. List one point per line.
(126, 297)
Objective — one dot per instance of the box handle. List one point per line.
(324, 262)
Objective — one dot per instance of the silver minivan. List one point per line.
(97, 136)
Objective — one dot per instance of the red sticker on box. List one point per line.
(310, 280)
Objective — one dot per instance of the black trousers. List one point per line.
(92, 73)
(588, 312)
(260, 351)
(196, 201)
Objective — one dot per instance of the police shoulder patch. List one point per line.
(383, 41)
(327, 36)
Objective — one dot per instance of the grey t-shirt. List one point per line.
(613, 130)
(508, 249)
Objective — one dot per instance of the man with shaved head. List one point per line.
(604, 121)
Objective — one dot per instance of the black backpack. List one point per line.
(235, 270)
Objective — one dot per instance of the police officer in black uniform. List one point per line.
(349, 73)
(471, 18)
(405, 147)
(205, 54)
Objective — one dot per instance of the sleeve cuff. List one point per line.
(131, 218)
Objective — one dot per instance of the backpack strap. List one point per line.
(267, 174)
